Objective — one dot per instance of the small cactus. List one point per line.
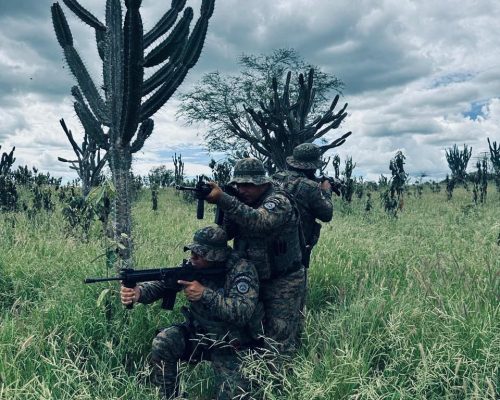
(89, 162)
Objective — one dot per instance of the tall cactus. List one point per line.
(457, 161)
(126, 51)
(495, 161)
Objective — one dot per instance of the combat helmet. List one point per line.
(249, 170)
(305, 156)
(210, 243)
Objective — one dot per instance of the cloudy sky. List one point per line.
(419, 76)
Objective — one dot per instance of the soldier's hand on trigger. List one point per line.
(216, 193)
(193, 290)
(130, 295)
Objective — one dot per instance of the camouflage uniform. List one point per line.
(220, 327)
(312, 201)
(267, 234)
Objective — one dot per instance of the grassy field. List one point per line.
(404, 308)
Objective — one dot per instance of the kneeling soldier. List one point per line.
(223, 320)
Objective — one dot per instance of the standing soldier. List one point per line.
(223, 320)
(313, 199)
(265, 228)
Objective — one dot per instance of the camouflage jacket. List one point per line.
(266, 233)
(312, 201)
(228, 305)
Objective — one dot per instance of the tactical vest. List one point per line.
(200, 319)
(294, 184)
(276, 253)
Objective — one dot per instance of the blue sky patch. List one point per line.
(475, 110)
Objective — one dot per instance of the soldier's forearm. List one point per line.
(250, 217)
(151, 292)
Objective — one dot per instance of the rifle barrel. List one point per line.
(94, 280)
(179, 187)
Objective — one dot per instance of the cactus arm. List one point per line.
(113, 65)
(77, 94)
(145, 131)
(69, 135)
(86, 84)
(61, 27)
(336, 143)
(133, 71)
(75, 63)
(91, 125)
(159, 77)
(165, 23)
(160, 97)
(165, 72)
(65, 160)
(197, 38)
(100, 39)
(161, 52)
(190, 56)
(84, 15)
(96, 171)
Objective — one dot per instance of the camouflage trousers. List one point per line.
(283, 298)
(178, 343)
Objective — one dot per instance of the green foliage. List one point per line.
(480, 182)
(349, 184)
(457, 162)
(369, 203)
(387, 317)
(8, 190)
(392, 198)
(78, 214)
(6, 162)
(178, 169)
(161, 177)
(221, 171)
(8, 194)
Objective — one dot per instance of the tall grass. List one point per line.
(404, 308)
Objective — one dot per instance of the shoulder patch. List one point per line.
(242, 283)
(242, 287)
(269, 205)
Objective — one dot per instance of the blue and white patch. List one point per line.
(269, 205)
(242, 287)
(220, 291)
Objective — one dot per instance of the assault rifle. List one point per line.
(201, 191)
(130, 277)
(336, 183)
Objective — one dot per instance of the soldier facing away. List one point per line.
(313, 199)
(223, 320)
(265, 228)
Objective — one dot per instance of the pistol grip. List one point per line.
(129, 285)
(200, 209)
